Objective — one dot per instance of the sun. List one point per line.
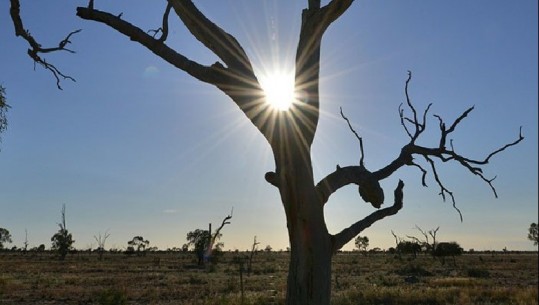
(279, 90)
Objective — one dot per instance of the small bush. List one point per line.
(194, 280)
(112, 297)
(413, 269)
(478, 273)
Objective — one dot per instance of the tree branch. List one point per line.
(226, 221)
(442, 152)
(35, 47)
(346, 235)
(164, 27)
(443, 189)
(368, 185)
(333, 10)
(200, 72)
(314, 22)
(222, 44)
(397, 239)
(314, 4)
(418, 126)
(217, 233)
(358, 137)
(368, 182)
(237, 80)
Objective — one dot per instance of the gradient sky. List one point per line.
(137, 147)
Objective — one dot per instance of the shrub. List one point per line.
(62, 241)
(413, 269)
(112, 296)
(445, 249)
(478, 273)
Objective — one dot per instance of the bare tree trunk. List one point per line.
(309, 275)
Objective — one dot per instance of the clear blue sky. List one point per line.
(137, 147)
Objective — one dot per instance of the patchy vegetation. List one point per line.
(174, 278)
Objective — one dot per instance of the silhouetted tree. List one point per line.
(212, 246)
(199, 240)
(362, 243)
(62, 241)
(39, 248)
(532, 234)
(444, 249)
(185, 247)
(204, 243)
(409, 247)
(290, 133)
(139, 245)
(5, 237)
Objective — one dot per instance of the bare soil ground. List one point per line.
(174, 278)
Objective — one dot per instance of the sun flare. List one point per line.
(279, 90)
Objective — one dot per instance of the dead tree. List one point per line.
(432, 234)
(428, 247)
(397, 242)
(25, 249)
(290, 133)
(101, 240)
(215, 236)
(251, 255)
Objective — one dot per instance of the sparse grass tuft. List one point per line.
(112, 296)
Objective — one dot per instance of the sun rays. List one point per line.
(280, 103)
(279, 90)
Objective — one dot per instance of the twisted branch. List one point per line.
(35, 47)
(419, 126)
(442, 152)
(217, 233)
(414, 126)
(346, 235)
(368, 185)
(164, 27)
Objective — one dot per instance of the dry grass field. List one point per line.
(174, 278)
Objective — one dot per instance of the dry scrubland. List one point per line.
(173, 278)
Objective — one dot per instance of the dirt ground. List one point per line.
(174, 278)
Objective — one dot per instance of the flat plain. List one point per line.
(174, 278)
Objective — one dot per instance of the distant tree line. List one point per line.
(205, 246)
